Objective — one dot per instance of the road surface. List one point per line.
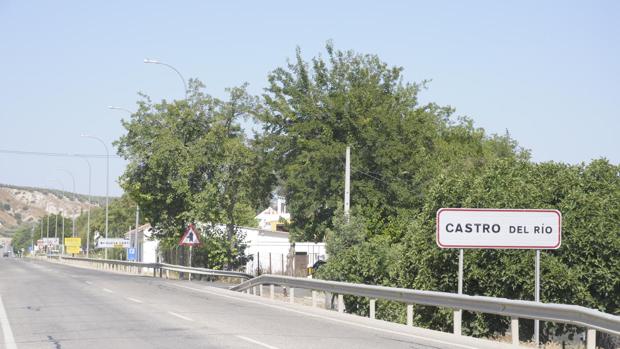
(48, 305)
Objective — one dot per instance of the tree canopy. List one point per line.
(314, 110)
(190, 161)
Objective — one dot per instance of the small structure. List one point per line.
(274, 217)
(146, 248)
(271, 252)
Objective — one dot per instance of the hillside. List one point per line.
(22, 205)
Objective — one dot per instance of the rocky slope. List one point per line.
(20, 205)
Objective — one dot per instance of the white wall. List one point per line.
(270, 249)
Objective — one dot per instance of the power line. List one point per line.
(39, 153)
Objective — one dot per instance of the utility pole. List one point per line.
(89, 203)
(48, 234)
(32, 239)
(347, 183)
(137, 243)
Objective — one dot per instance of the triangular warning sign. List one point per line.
(190, 237)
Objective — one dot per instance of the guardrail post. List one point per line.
(313, 298)
(291, 294)
(340, 303)
(372, 307)
(272, 291)
(254, 290)
(514, 330)
(591, 339)
(457, 321)
(409, 314)
(260, 290)
(154, 272)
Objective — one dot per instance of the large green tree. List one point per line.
(190, 161)
(315, 109)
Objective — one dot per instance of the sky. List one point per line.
(548, 72)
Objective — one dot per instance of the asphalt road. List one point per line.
(47, 305)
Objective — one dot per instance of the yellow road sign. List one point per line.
(73, 249)
(73, 242)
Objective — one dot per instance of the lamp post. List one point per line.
(75, 197)
(60, 240)
(88, 217)
(155, 61)
(134, 239)
(107, 179)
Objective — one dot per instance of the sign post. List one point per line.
(499, 229)
(190, 238)
(458, 314)
(537, 297)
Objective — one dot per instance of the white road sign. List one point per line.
(112, 242)
(49, 241)
(190, 237)
(499, 228)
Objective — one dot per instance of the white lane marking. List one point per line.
(329, 318)
(180, 316)
(7, 333)
(107, 290)
(88, 282)
(134, 300)
(254, 341)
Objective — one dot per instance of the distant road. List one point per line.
(61, 307)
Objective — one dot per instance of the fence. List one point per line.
(259, 262)
(155, 269)
(282, 263)
(593, 320)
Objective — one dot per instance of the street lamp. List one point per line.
(107, 179)
(155, 61)
(61, 240)
(134, 238)
(74, 196)
(120, 108)
(89, 199)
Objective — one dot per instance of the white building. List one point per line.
(146, 247)
(268, 247)
(274, 218)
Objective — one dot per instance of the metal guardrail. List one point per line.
(107, 261)
(562, 313)
(203, 271)
(159, 267)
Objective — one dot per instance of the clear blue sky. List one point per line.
(549, 72)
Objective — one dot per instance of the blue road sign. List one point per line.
(131, 254)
